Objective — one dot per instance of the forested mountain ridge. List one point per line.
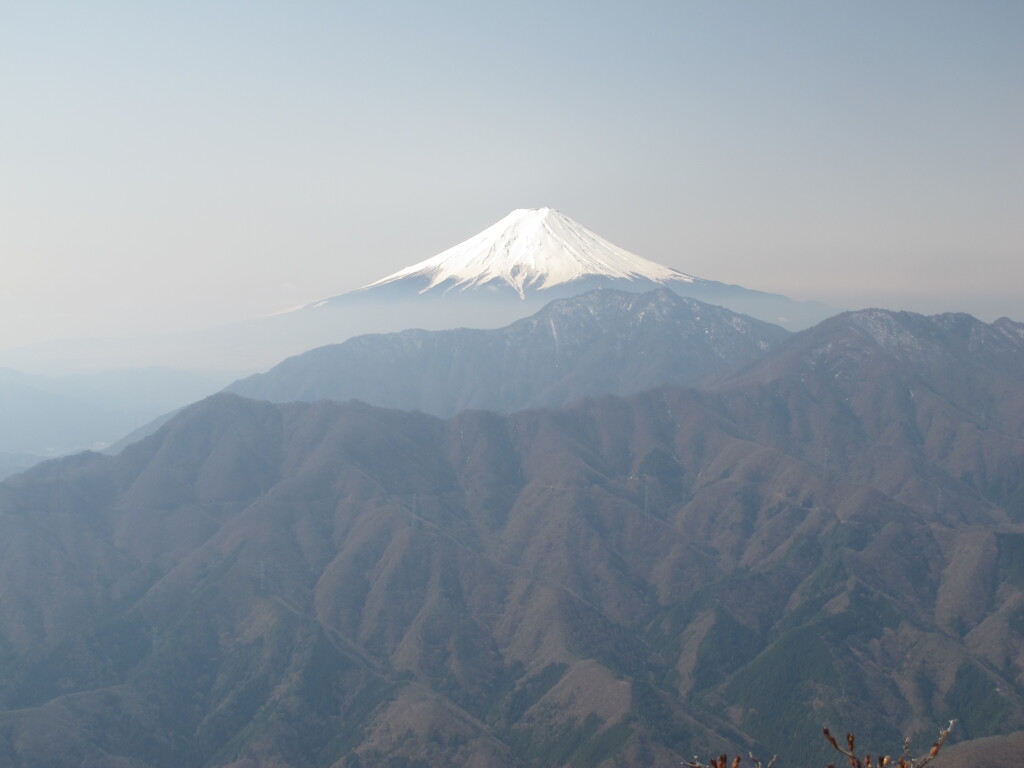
(622, 581)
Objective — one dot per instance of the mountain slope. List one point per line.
(926, 409)
(627, 581)
(602, 342)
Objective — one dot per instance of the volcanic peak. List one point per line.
(533, 248)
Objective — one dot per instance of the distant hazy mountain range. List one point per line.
(831, 532)
(505, 273)
(603, 342)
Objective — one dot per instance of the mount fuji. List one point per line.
(531, 249)
(535, 255)
(505, 273)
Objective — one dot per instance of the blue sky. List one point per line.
(179, 164)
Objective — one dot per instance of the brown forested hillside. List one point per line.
(834, 535)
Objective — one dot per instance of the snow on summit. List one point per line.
(534, 248)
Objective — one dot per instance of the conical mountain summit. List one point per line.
(535, 255)
(530, 249)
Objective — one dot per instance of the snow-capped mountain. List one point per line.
(535, 255)
(505, 273)
(530, 249)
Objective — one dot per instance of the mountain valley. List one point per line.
(42, 417)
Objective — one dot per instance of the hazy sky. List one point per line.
(178, 164)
